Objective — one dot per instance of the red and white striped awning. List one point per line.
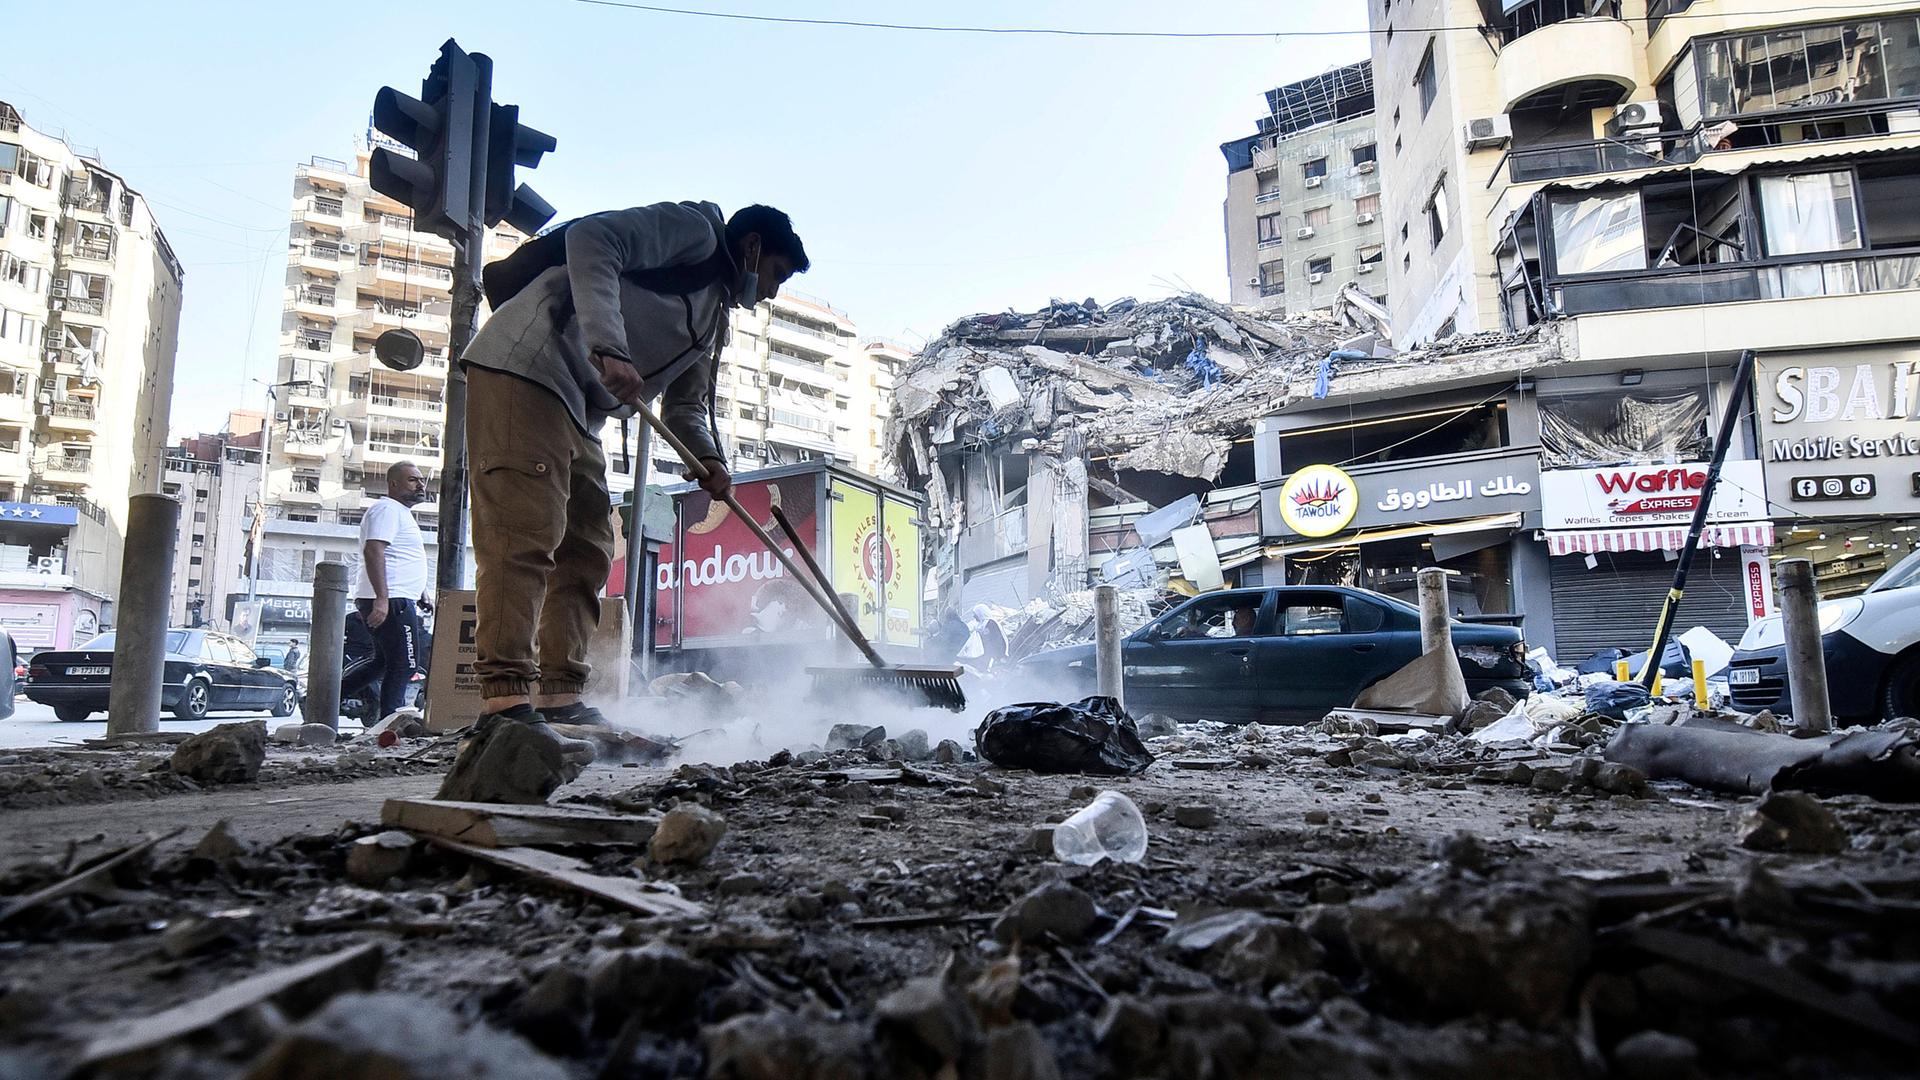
(1670, 538)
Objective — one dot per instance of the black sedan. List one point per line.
(206, 672)
(1286, 653)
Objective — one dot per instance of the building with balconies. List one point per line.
(89, 316)
(1303, 196)
(356, 268)
(216, 478)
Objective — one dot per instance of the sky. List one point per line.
(931, 175)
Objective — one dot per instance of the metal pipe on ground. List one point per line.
(1436, 631)
(326, 647)
(140, 628)
(1806, 660)
(1110, 673)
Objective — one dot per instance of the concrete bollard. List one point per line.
(327, 645)
(140, 624)
(1436, 630)
(1109, 670)
(1806, 660)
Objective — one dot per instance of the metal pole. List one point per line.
(326, 644)
(1806, 660)
(1109, 670)
(1729, 419)
(258, 536)
(637, 584)
(140, 627)
(451, 542)
(1436, 628)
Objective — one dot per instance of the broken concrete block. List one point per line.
(219, 846)
(1055, 908)
(926, 1022)
(197, 934)
(687, 833)
(553, 1012)
(1483, 714)
(373, 860)
(1156, 726)
(1196, 817)
(1246, 947)
(778, 1045)
(398, 1037)
(1791, 821)
(914, 745)
(510, 759)
(949, 752)
(1498, 698)
(656, 983)
(854, 736)
(227, 754)
(1616, 779)
(1018, 1052)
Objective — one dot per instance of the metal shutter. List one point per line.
(1615, 604)
(1003, 584)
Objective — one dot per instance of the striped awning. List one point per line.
(1670, 538)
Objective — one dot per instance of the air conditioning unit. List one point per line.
(57, 304)
(1489, 132)
(281, 416)
(349, 247)
(57, 288)
(1363, 218)
(1635, 116)
(47, 564)
(1366, 167)
(339, 425)
(1363, 268)
(1305, 233)
(1315, 279)
(1315, 181)
(1253, 282)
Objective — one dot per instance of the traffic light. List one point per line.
(511, 143)
(440, 126)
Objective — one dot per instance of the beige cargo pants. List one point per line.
(542, 537)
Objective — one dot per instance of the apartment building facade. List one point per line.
(338, 418)
(1663, 184)
(90, 297)
(1302, 210)
(216, 478)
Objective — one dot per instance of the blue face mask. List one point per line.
(747, 291)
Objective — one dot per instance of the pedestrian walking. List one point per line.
(391, 585)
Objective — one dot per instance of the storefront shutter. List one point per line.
(1615, 604)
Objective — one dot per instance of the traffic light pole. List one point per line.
(452, 552)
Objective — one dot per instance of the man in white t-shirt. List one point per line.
(391, 588)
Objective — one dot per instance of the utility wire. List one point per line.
(1062, 31)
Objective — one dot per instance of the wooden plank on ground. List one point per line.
(559, 870)
(297, 990)
(498, 825)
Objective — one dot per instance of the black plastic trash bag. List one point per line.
(1615, 698)
(1601, 662)
(1093, 735)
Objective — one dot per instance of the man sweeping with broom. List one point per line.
(590, 320)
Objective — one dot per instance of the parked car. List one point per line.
(206, 672)
(1284, 653)
(275, 654)
(1872, 645)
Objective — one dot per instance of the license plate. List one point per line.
(1743, 677)
(89, 671)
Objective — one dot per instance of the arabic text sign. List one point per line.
(1448, 491)
(1641, 496)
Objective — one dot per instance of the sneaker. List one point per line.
(579, 713)
(513, 756)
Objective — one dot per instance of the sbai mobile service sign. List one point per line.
(1318, 500)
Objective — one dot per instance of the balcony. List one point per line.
(1591, 57)
(89, 306)
(419, 320)
(1268, 196)
(71, 415)
(403, 272)
(386, 451)
(1797, 277)
(307, 446)
(315, 300)
(66, 468)
(323, 211)
(312, 344)
(93, 250)
(395, 405)
(322, 257)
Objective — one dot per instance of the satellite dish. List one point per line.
(400, 350)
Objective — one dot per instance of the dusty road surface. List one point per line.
(1295, 914)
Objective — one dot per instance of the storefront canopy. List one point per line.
(1670, 538)
(1450, 528)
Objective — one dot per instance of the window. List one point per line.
(1315, 168)
(1427, 80)
(1370, 255)
(37, 226)
(1403, 232)
(1319, 217)
(1366, 155)
(1215, 617)
(1890, 199)
(217, 651)
(1273, 278)
(17, 327)
(1598, 233)
(9, 440)
(1364, 616)
(1322, 265)
(1266, 184)
(1594, 428)
(6, 214)
(17, 271)
(1406, 264)
(1396, 146)
(1308, 619)
(1437, 213)
(1809, 212)
(1271, 227)
(1808, 66)
(1367, 204)
(1396, 116)
(9, 157)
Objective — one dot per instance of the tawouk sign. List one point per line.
(1840, 431)
(1637, 496)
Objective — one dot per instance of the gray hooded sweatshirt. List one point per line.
(671, 340)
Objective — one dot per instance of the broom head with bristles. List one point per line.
(931, 686)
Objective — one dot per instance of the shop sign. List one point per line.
(1318, 500)
(1840, 431)
(1645, 496)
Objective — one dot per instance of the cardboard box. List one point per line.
(609, 652)
(453, 689)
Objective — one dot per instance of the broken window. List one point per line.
(1614, 427)
(1271, 227)
(1318, 217)
(1315, 168)
(1266, 185)
(1320, 266)
(1890, 195)
(1427, 80)
(1366, 155)
(1437, 213)
(1273, 278)
(1435, 433)
(1809, 212)
(1367, 204)
(1518, 260)
(1370, 254)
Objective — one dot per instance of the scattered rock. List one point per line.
(553, 1012)
(854, 736)
(988, 786)
(914, 745)
(374, 860)
(1018, 1052)
(1055, 908)
(1196, 817)
(219, 846)
(948, 752)
(656, 983)
(1654, 1055)
(687, 833)
(779, 1045)
(1316, 817)
(1156, 726)
(1482, 714)
(890, 811)
(1615, 778)
(1246, 947)
(1550, 779)
(741, 885)
(197, 934)
(317, 735)
(1498, 698)
(926, 1026)
(1791, 821)
(398, 1037)
(227, 754)
(507, 759)
(1040, 839)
